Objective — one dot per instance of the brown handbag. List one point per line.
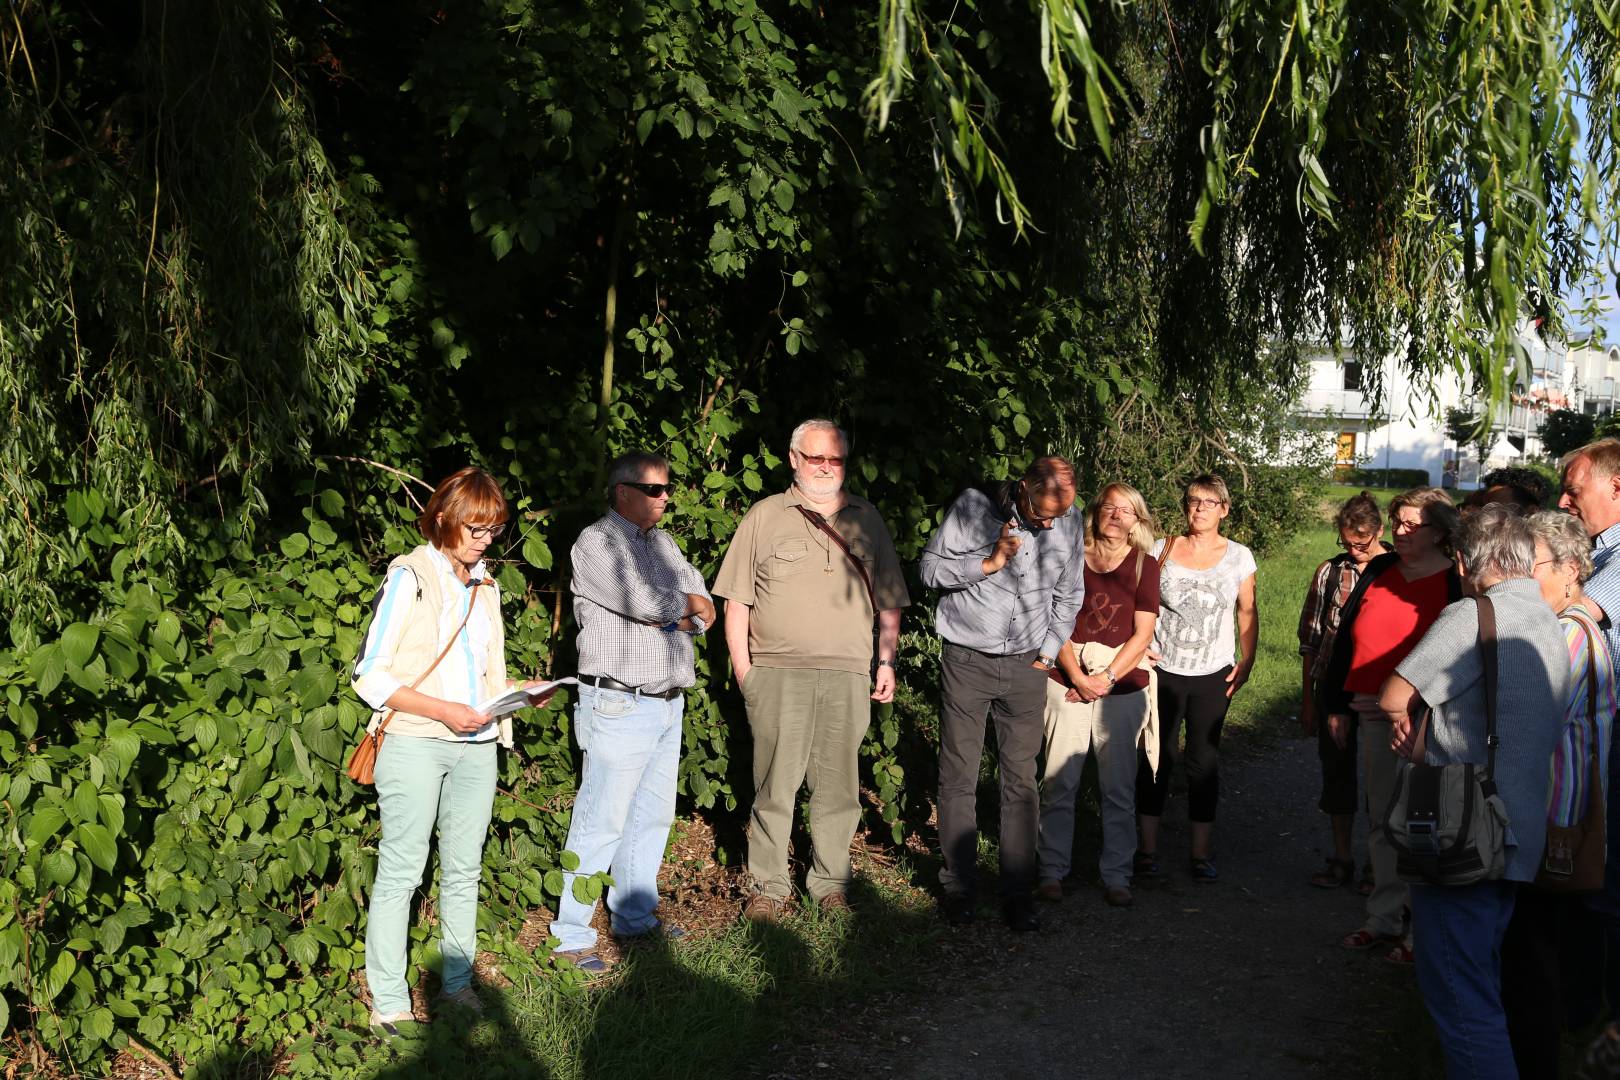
(362, 768)
(1574, 858)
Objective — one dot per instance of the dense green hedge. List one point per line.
(1403, 479)
(189, 864)
(235, 341)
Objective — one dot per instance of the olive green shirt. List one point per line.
(810, 608)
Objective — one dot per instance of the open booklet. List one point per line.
(518, 697)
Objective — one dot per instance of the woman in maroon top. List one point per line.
(1095, 700)
(1396, 601)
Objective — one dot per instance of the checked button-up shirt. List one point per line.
(628, 585)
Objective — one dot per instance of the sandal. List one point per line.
(1363, 939)
(1145, 864)
(1401, 954)
(1335, 875)
(1204, 872)
(586, 960)
(1365, 884)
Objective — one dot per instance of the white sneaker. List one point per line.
(388, 1026)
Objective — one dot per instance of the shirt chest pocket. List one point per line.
(788, 558)
(862, 551)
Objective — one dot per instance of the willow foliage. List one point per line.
(1409, 176)
(181, 296)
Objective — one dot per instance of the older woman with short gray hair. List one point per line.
(1459, 929)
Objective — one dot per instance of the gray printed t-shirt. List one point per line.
(1532, 684)
(1197, 631)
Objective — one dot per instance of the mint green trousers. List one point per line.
(420, 783)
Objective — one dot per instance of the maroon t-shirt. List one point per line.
(1108, 615)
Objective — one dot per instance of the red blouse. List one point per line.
(1394, 615)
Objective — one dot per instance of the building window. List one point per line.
(1352, 374)
(1344, 451)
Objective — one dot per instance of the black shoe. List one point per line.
(1020, 915)
(959, 909)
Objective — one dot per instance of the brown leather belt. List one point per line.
(602, 682)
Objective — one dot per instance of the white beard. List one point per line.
(819, 489)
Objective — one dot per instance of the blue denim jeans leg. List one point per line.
(1458, 941)
(624, 808)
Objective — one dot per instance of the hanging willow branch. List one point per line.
(1415, 180)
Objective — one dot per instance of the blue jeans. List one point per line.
(420, 782)
(1458, 941)
(624, 808)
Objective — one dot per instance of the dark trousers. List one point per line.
(1546, 975)
(1201, 702)
(1014, 695)
(1605, 905)
(1338, 764)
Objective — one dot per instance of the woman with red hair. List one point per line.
(435, 649)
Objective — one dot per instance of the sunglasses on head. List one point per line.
(652, 491)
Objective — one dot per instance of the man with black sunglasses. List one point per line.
(1007, 560)
(806, 575)
(639, 603)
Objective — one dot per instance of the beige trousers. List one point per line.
(808, 724)
(1386, 907)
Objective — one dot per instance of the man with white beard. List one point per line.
(805, 576)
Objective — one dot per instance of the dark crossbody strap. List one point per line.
(1487, 645)
(860, 568)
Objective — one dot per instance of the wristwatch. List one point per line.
(1044, 660)
(885, 663)
(1108, 673)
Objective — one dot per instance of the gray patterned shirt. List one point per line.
(628, 585)
(1027, 605)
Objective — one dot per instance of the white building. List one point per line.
(1407, 429)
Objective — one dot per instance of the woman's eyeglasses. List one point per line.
(1117, 510)
(478, 532)
(652, 491)
(1205, 504)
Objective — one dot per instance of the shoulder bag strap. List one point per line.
(472, 602)
(1594, 778)
(860, 568)
(1487, 645)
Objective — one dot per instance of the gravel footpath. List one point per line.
(1237, 979)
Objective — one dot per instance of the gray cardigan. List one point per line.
(1447, 669)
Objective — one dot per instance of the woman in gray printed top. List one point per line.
(1460, 928)
(1206, 601)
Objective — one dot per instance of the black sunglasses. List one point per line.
(652, 491)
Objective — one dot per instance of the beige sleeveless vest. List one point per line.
(420, 645)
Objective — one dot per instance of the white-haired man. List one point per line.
(805, 576)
